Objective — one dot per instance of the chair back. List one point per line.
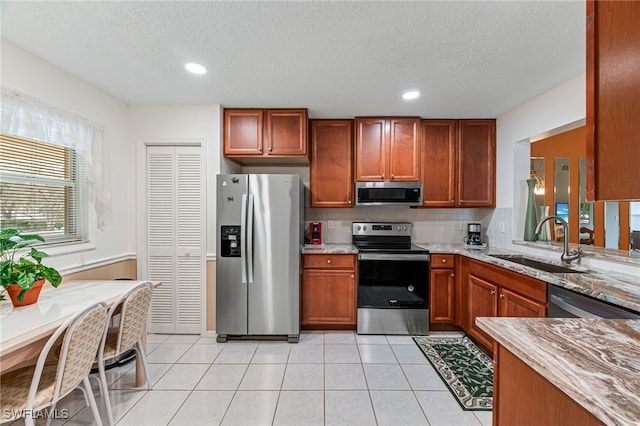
(82, 336)
(133, 317)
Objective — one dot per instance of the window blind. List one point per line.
(41, 189)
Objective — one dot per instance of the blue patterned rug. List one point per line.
(465, 369)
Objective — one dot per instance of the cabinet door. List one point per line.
(441, 296)
(243, 132)
(331, 163)
(438, 162)
(513, 305)
(613, 84)
(286, 132)
(371, 149)
(482, 303)
(404, 150)
(476, 163)
(328, 297)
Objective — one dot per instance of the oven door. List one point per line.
(393, 292)
(393, 281)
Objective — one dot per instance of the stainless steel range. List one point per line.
(393, 280)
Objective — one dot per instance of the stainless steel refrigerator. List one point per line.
(260, 223)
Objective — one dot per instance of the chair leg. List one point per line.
(143, 358)
(52, 409)
(28, 419)
(104, 388)
(92, 401)
(84, 395)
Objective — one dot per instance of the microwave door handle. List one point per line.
(580, 313)
(243, 238)
(249, 244)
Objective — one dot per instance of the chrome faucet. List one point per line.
(568, 256)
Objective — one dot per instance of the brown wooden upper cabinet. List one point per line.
(331, 163)
(613, 85)
(251, 133)
(458, 163)
(387, 149)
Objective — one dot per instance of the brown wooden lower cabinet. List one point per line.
(482, 303)
(523, 397)
(442, 292)
(328, 290)
(493, 291)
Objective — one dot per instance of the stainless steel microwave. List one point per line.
(389, 193)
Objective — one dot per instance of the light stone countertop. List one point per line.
(619, 289)
(594, 361)
(329, 249)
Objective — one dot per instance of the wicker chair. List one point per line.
(134, 310)
(27, 390)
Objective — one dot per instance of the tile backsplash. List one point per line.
(429, 225)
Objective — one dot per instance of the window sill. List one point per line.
(62, 249)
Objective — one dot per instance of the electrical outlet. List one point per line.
(330, 224)
(460, 226)
(501, 227)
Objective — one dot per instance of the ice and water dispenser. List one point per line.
(231, 244)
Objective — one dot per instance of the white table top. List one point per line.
(22, 326)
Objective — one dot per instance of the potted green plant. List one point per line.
(22, 273)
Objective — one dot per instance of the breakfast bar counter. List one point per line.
(593, 362)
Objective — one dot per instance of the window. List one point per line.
(41, 189)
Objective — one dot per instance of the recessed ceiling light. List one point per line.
(407, 96)
(195, 68)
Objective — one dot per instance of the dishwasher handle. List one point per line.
(572, 309)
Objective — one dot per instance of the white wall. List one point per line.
(30, 75)
(179, 124)
(560, 106)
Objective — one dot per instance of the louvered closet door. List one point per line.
(175, 238)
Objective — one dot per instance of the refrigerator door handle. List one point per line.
(249, 244)
(243, 238)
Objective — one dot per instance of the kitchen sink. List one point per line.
(532, 263)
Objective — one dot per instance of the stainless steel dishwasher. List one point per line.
(565, 303)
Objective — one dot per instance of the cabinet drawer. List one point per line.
(329, 261)
(442, 261)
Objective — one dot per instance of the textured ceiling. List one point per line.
(339, 59)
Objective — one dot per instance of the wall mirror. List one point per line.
(558, 163)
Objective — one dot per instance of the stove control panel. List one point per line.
(378, 228)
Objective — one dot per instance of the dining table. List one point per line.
(25, 330)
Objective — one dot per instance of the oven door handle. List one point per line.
(391, 256)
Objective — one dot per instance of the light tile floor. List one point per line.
(328, 378)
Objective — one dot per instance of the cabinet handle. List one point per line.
(444, 260)
(382, 176)
(351, 275)
(349, 201)
(461, 201)
(270, 148)
(328, 260)
(452, 201)
(492, 292)
(393, 176)
(501, 296)
(453, 275)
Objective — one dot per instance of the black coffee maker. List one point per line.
(474, 234)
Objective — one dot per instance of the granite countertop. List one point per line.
(619, 289)
(329, 249)
(595, 362)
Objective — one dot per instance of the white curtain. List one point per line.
(23, 115)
